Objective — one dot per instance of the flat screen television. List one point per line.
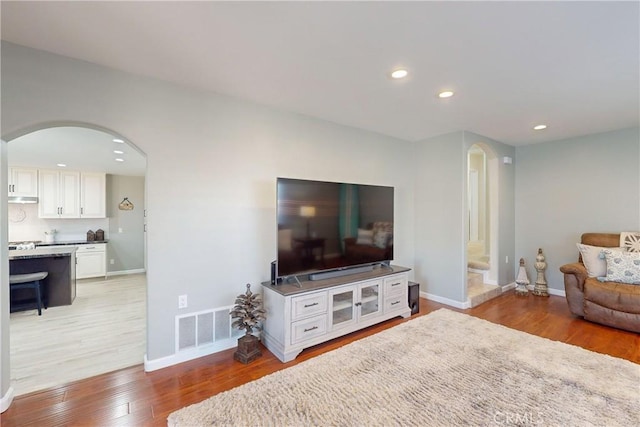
(332, 226)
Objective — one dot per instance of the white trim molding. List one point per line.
(126, 272)
(557, 292)
(509, 286)
(447, 301)
(6, 400)
(185, 356)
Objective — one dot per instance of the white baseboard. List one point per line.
(509, 286)
(447, 301)
(125, 272)
(6, 400)
(186, 355)
(557, 292)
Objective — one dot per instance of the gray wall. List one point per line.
(440, 241)
(126, 228)
(212, 162)
(441, 204)
(569, 187)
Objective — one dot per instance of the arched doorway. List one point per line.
(482, 235)
(91, 323)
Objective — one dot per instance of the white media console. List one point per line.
(299, 317)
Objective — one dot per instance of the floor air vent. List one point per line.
(206, 329)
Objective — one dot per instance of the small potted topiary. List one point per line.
(248, 314)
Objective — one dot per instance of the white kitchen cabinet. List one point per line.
(59, 194)
(23, 182)
(92, 195)
(318, 311)
(70, 194)
(91, 260)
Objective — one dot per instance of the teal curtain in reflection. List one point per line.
(349, 212)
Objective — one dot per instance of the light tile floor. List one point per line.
(102, 331)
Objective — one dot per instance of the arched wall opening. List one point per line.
(482, 215)
(129, 152)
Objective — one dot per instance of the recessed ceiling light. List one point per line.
(118, 159)
(61, 165)
(539, 127)
(445, 94)
(400, 73)
(118, 140)
(118, 151)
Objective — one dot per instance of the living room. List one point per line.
(213, 160)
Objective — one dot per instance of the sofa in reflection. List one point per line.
(373, 243)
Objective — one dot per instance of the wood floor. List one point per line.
(135, 398)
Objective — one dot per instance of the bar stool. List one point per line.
(31, 281)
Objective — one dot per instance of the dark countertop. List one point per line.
(71, 242)
(13, 245)
(291, 288)
(45, 252)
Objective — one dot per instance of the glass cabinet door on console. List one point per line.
(370, 299)
(352, 303)
(342, 306)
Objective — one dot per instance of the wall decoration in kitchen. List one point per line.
(17, 214)
(125, 205)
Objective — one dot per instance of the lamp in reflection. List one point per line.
(308, 212)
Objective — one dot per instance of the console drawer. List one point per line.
(310, 328)
(308, 305)
(395, 285)
(395, 303)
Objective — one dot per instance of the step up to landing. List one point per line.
(478, 264)
(478, 292)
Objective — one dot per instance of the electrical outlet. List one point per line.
(182, 301)
(112, 261)
(506, 259)
(120, 230)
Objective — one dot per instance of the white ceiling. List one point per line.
(80, 149)
(571, 65)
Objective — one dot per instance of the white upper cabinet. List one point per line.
(59, 194)
(23, 182)
(92, 195)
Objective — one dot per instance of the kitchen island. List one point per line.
(58, 261)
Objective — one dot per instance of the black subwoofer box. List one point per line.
(414, 297)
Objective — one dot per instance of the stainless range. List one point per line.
(26, 244)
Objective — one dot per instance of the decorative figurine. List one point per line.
(248, 315)
(541, 288)
(522, 280)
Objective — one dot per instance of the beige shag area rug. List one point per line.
(441, 369)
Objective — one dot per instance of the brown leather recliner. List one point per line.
(610, 303)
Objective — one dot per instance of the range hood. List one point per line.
(19, 199)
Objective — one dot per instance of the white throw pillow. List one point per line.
(380, 239)
(595, 263)
(622, 266)
(365, 237)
